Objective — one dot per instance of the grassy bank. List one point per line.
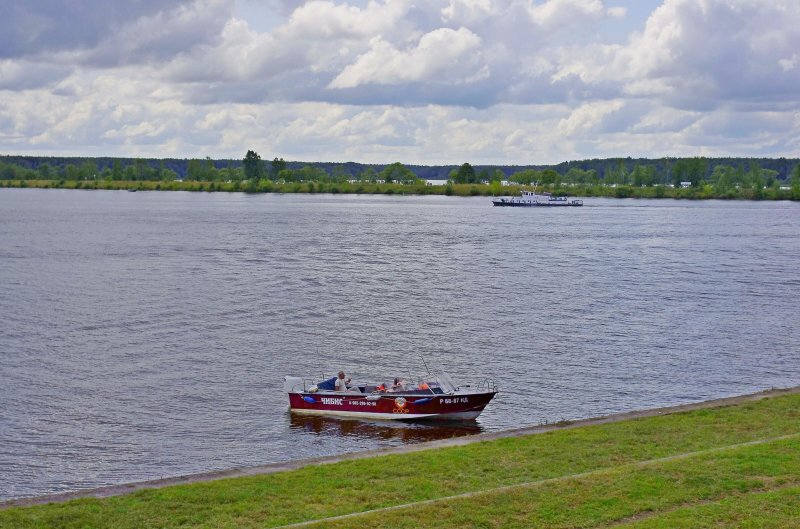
(368, 188)
(737, 466)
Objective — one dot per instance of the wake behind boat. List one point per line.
(533, 199)
(434, 397)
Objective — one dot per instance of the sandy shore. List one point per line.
(116, 490)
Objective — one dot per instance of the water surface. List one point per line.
(146, 334)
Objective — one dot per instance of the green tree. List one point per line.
(368, 175)
(210, 172)
(667, 176)
(397, 172)
(622, 171)
(194, 170)
(88, 170)
(253, 168)
(168, 174)
(7, 171)
(45, 171)
(756, 177)
(525, 177)
(340, 174)
(71, 172)
(577, 175)
(278, 165)
(722, 178)
(638, 176)
(466, 175)
(140, 168)
(770, 177)
(549, 177)
(313, 174)
(116, 170)
(795, 183)
(699, 169)
(498, 175)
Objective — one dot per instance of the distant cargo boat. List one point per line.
(533, 199)
(434, 397)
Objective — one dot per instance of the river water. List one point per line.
(146, 334)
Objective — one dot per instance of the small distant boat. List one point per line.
(434, 397)
(132, 190)
(533, 199)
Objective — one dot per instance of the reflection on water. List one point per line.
(406, 432)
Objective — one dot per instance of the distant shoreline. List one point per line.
(422, 188)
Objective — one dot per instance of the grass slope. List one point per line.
(737, 466)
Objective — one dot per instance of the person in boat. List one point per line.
(341, 383)
(397, 385)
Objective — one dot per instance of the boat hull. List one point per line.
(520, 204)
(465, 406)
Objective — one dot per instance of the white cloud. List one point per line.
(512, 81)
(560, 13)
(789, 64)
(587, 117)
(321, 19)
(617, 12)
(443, 55)
(22, 74)
(31, 28)
(716, 48)
(466, 11)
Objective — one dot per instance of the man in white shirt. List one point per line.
(341, 383)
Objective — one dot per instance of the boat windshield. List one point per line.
(434, 384)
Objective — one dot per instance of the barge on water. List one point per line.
(533, 199)
(434, 397)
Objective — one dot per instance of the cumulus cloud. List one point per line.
(370, 80)
(560, 13)
(25, 75)
(466, 11)
(43, 42)
(716, 49)
(30, 28)
(588, 117)
(441, 55)
(321, 19)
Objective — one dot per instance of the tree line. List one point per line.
(723, 174)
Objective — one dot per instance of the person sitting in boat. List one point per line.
(341, 383)
(397, 385)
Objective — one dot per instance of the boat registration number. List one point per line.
(459, 400)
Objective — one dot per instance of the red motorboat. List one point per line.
(434, 397)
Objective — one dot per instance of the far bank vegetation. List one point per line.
(691, 178)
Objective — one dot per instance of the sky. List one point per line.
(420, 82)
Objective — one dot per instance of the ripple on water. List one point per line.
(145, 335)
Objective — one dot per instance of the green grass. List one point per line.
(583, 477)
(778, 509)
